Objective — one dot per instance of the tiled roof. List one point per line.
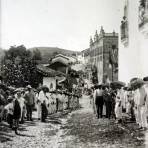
(61, 55)
(46, 71)
(60, 59)
(63, 59)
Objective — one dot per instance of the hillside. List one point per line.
(48, 52)
(2, 53)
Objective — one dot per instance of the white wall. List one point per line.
(132, 59)
(144, 55)
(48, 80)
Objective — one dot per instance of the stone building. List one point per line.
(104, 55)
(133, 41)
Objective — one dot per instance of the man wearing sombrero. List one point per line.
(30, 100)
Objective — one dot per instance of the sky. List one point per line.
(65, 24)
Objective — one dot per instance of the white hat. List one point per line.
(29, 86)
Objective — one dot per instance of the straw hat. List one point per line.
(29, 86)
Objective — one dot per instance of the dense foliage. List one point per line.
(19, 67)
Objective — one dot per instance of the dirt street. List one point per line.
(76, 129)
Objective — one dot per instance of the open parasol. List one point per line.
(117, 84)
(96, 86)
(145, 79)
(45, 88)
(137, 83)
(105, 85)
(133, 79)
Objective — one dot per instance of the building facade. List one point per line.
(133, 41)
(104, 55)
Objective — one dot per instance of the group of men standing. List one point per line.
(137, 98)
(131, 100)
(103, 96)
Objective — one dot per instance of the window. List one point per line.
(143, 16)
(124, 26)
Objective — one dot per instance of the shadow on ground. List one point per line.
(5, 133)
(87, 129)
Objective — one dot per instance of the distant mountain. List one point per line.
(49, 52)
(2, 53)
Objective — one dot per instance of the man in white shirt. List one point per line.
(43, 99)
(38, 105)
(141, 101)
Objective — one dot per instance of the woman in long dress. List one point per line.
(49, 103)
(21, 101)
(43, 99)
(53, 96)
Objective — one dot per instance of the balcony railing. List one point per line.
(124, 30)
(143, 16)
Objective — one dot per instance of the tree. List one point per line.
(19, 67)
(37, 55)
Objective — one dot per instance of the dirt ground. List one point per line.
(76, 129)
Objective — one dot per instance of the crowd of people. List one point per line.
(103, 101)
(123, 101)
(112, 100)
(17, 106)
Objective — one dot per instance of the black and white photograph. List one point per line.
(73, 74)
